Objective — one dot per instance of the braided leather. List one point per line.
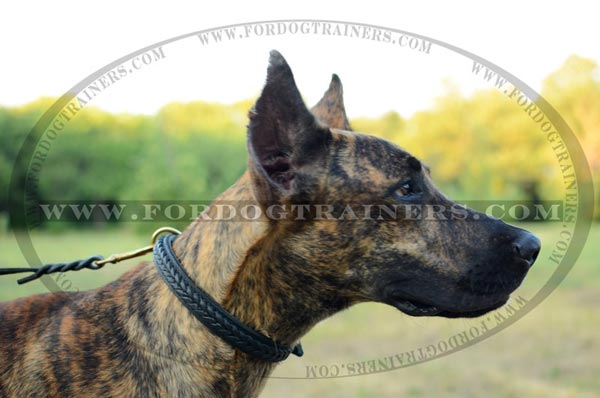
(216, 319)
(77, 265)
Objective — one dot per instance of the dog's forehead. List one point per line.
(382, 155)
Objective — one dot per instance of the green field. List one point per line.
(553, 351)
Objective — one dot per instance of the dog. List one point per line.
(279, 275)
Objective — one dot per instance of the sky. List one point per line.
(49, 47)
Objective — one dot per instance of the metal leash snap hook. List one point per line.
(115, 258)
(161, 231)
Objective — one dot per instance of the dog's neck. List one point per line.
(213, 248)
(246, 267)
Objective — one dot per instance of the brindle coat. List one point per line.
(132, 338)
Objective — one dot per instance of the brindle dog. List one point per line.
(133, 338)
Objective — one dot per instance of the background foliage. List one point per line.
(193, 151)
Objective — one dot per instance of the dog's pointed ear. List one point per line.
(284, 138)
(330, 109)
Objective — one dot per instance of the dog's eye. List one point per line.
(405, 189)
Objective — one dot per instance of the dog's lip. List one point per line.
(408, 303)
(416, 307)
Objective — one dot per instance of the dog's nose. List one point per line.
(527, 246)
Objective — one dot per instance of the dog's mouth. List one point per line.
(414, 307)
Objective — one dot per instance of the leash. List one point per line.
(202, 306)
(93, 262)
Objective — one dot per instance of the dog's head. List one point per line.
(364, 220)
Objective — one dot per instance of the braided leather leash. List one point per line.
(89, 263)
(216, 319)
(93, 262)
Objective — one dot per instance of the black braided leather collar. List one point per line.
(220, 322)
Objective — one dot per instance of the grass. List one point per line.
(551, 352)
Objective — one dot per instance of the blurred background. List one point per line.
(479, 146)
(175, 130)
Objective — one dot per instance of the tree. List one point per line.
(574, 90)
